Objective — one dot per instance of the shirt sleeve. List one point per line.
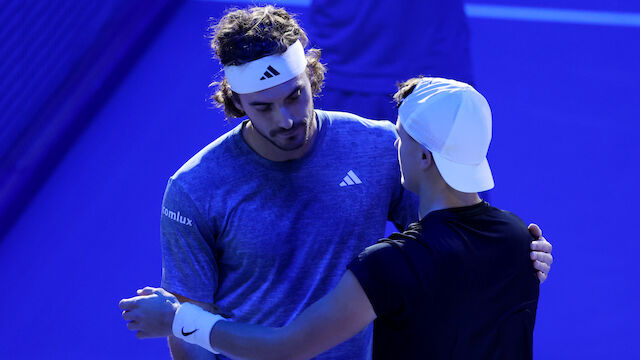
(380, 270)
(189, 267)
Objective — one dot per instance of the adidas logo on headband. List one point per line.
(271, 72)
(261, 74)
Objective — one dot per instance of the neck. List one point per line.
(442, 196)
(269, 151)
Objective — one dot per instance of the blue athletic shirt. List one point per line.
(266, 239)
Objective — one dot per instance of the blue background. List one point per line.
(566, 106)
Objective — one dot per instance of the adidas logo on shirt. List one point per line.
(271, 72)
(350, 179)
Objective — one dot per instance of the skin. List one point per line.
(420, 175)
(282, 122)
(333, 319)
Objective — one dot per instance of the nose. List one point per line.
(285, 120)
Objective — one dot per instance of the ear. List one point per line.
(235, 98)
(426, 160)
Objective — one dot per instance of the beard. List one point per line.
(274, 136)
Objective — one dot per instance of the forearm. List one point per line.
(333, 319)
(246, 341)
(181, 350)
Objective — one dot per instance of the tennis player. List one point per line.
(458, 283)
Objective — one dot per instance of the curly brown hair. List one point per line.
(406, 88)
(244, 35)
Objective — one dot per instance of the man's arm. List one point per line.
(333, 319)
(187, 258)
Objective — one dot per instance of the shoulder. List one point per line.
(374, 264)
(386, 274)
(510, 223)
(343, 121)
(384, 248)
(509, 216)
(211, 161)
(365, 139)
(494, 228)
(388, 252)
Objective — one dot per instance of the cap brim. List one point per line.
(465, 178)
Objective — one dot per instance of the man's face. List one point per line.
(409, 157)
(283, 114)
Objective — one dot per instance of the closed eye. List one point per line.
(265, 108)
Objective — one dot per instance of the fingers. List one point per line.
(542, 257)
(135, 325)
(132, 325)
(542, 276)
(162, 292)
(539, 265)
(147, 290)
(129, 303)
(535, 230)
(541, 245)
(128, 315)
(130, 312)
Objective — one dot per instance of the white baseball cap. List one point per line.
(453, 121)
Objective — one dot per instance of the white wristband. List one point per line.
(193, 325)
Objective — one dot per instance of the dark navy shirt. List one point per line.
(458, 284)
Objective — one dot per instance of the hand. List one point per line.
(151, 313)
(540, 253)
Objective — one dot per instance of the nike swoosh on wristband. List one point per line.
(188, 333)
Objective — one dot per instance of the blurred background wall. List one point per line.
(102, 101)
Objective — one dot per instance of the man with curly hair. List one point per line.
(264, 220)
(458, 283)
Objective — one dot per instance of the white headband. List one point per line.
(268, 71)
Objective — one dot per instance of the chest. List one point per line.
(285, 214)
